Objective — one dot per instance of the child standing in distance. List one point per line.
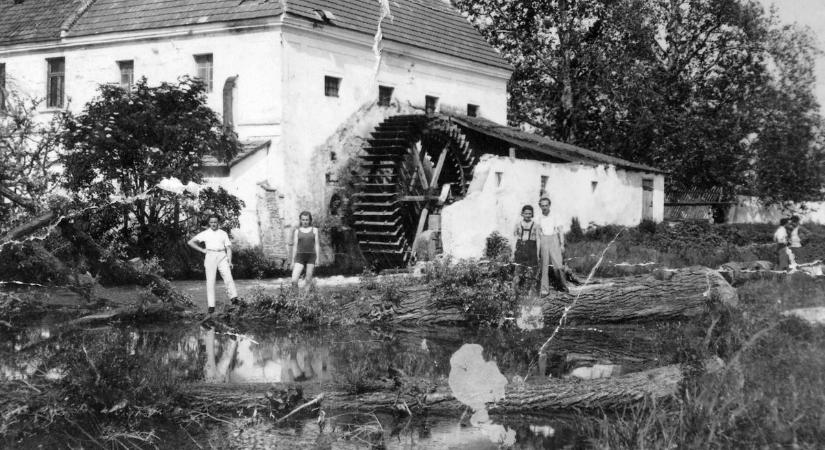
(305, 248)
(526, 255)
(218, 258)
(794, 239)
(783, 241)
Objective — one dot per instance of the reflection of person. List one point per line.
(218, 251)
(782, 239)
(527, 247)
(551, 250)
(214, 370)
(305, 248)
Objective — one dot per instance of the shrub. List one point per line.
(483, 292)
(576, 234)
(251, 262)
(497, 247)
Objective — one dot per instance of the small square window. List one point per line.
(430, 104)
(331, 86)
(55, 82)
(203, 67)
(127, 73)
(472, 110)
(384, 95)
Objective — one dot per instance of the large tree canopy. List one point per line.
(715, 91)
(126, 141)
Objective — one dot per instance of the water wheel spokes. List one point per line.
(405, 167)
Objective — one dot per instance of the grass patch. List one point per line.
(682, 244)
(771, 394)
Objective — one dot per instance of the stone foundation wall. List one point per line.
(274, 233)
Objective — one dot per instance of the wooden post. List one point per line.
(439, 166)
(421, 222)
(419, 167)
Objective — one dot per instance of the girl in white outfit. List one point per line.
(218, 258)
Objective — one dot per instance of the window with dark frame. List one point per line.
(331, 86)
(430, 104)
(55, 82)
(472, 110)
(127, 73)
(2, 86)
(203, 65)
(385, 95)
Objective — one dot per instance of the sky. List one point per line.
(812, 14)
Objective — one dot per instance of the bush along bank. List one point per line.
(681, 244)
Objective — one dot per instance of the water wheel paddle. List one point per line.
(409, 167)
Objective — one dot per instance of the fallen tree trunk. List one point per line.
(558, 394)
(663, 295)
(29, 227)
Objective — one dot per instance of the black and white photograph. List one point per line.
(412, 224)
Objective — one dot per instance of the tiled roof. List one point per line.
(545, 146)
(247, 149)
(108, 16)
(33, 20)
(428, 24)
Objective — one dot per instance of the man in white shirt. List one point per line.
(551, 248)
(218, 251)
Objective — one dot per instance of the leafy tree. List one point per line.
(685, 85)
(28, 153)
(125, 142)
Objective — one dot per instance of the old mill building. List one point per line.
(403, 121)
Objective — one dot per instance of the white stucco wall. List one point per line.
(310, 117)
(751, 210)
(280, 90)
(494, 201)
(253, 55)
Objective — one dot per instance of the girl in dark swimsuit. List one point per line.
(305, 249)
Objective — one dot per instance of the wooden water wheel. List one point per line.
(409, 168)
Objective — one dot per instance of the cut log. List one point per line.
(557, 394)
(126, 313)
(662, 295)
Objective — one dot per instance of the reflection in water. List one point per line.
(242, 359)
(354, 355)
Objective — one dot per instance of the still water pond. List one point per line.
(328, 359)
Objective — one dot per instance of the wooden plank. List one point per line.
(419, 167)
(439, 166)
(445, 193)
(421, 222)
